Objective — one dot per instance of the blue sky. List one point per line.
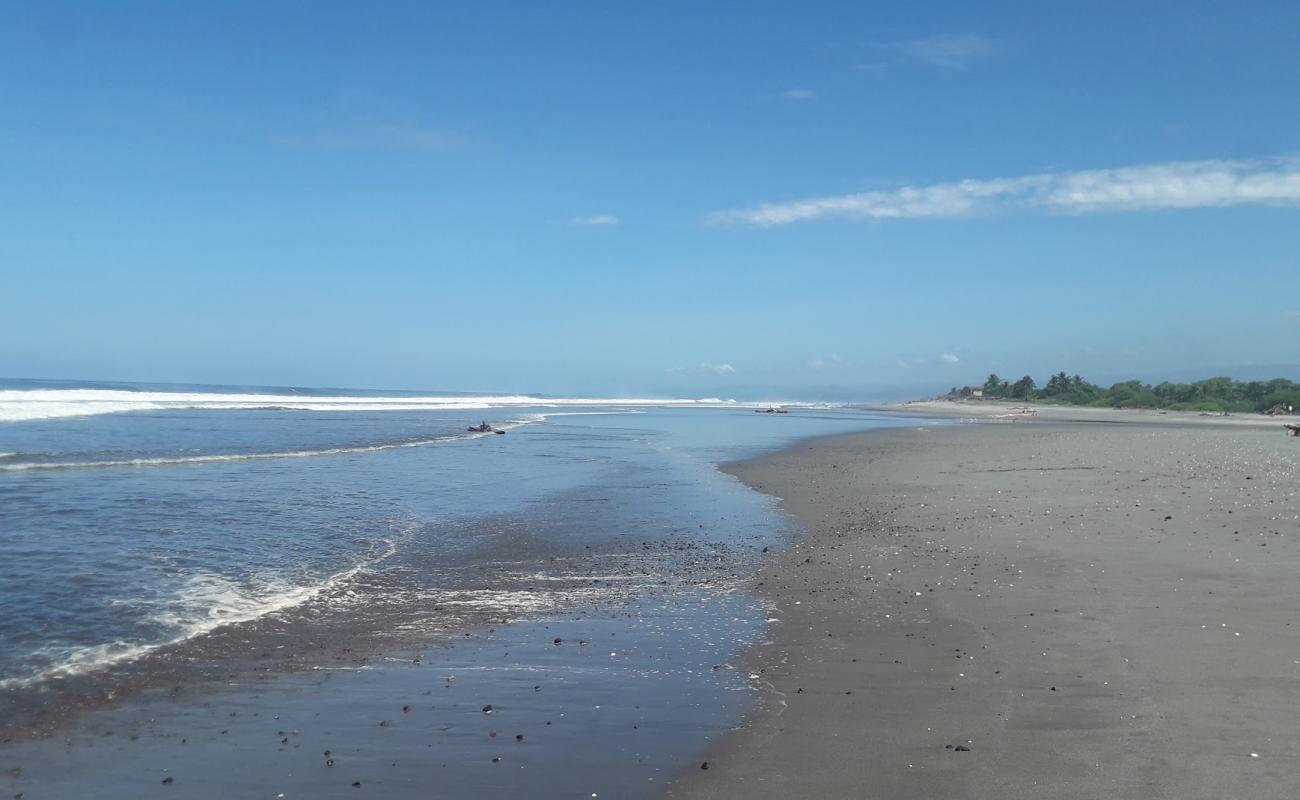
(677, 198)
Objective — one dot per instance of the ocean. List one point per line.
(163, 536)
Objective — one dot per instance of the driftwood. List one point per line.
(1292, 428)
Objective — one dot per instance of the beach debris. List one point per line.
(496, 759)
(519, 737)
(356, 784)
(487, 709)
(168, 781)
(704, 765)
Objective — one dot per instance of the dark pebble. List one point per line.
(961, 748)
(705, 765)
(168, 780)
(356, 784)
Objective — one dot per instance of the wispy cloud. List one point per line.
(949, 358)
(706, 368)
(798, 95)
(375, 134)
(947, 50)
(595, 220)
(1294, 316)
(824, 362)
(1173, 185)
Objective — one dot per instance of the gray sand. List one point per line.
(1094, 610)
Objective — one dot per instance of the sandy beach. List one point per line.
(1047, 608)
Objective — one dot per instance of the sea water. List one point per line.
(142, 521)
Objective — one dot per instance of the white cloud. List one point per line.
(596, 220)
(949, 358)
(821, 363)
(1172, 185)
(947, 50)
(1294, 316)
(372, 134)
(799, 94)
(706, 367)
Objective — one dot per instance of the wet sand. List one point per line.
(579, 650)
(1036, 609)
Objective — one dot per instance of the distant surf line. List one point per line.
(23, 405)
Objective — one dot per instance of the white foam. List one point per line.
(17, 405)
(204, 603)
(218, 457)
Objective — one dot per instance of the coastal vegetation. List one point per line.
(1212, 394)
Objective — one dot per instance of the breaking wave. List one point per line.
(18, 405)
(21, 466)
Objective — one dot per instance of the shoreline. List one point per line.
(582, 642)
(1093, 610)
(1004, 410)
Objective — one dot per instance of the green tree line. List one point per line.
(1211, 394)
